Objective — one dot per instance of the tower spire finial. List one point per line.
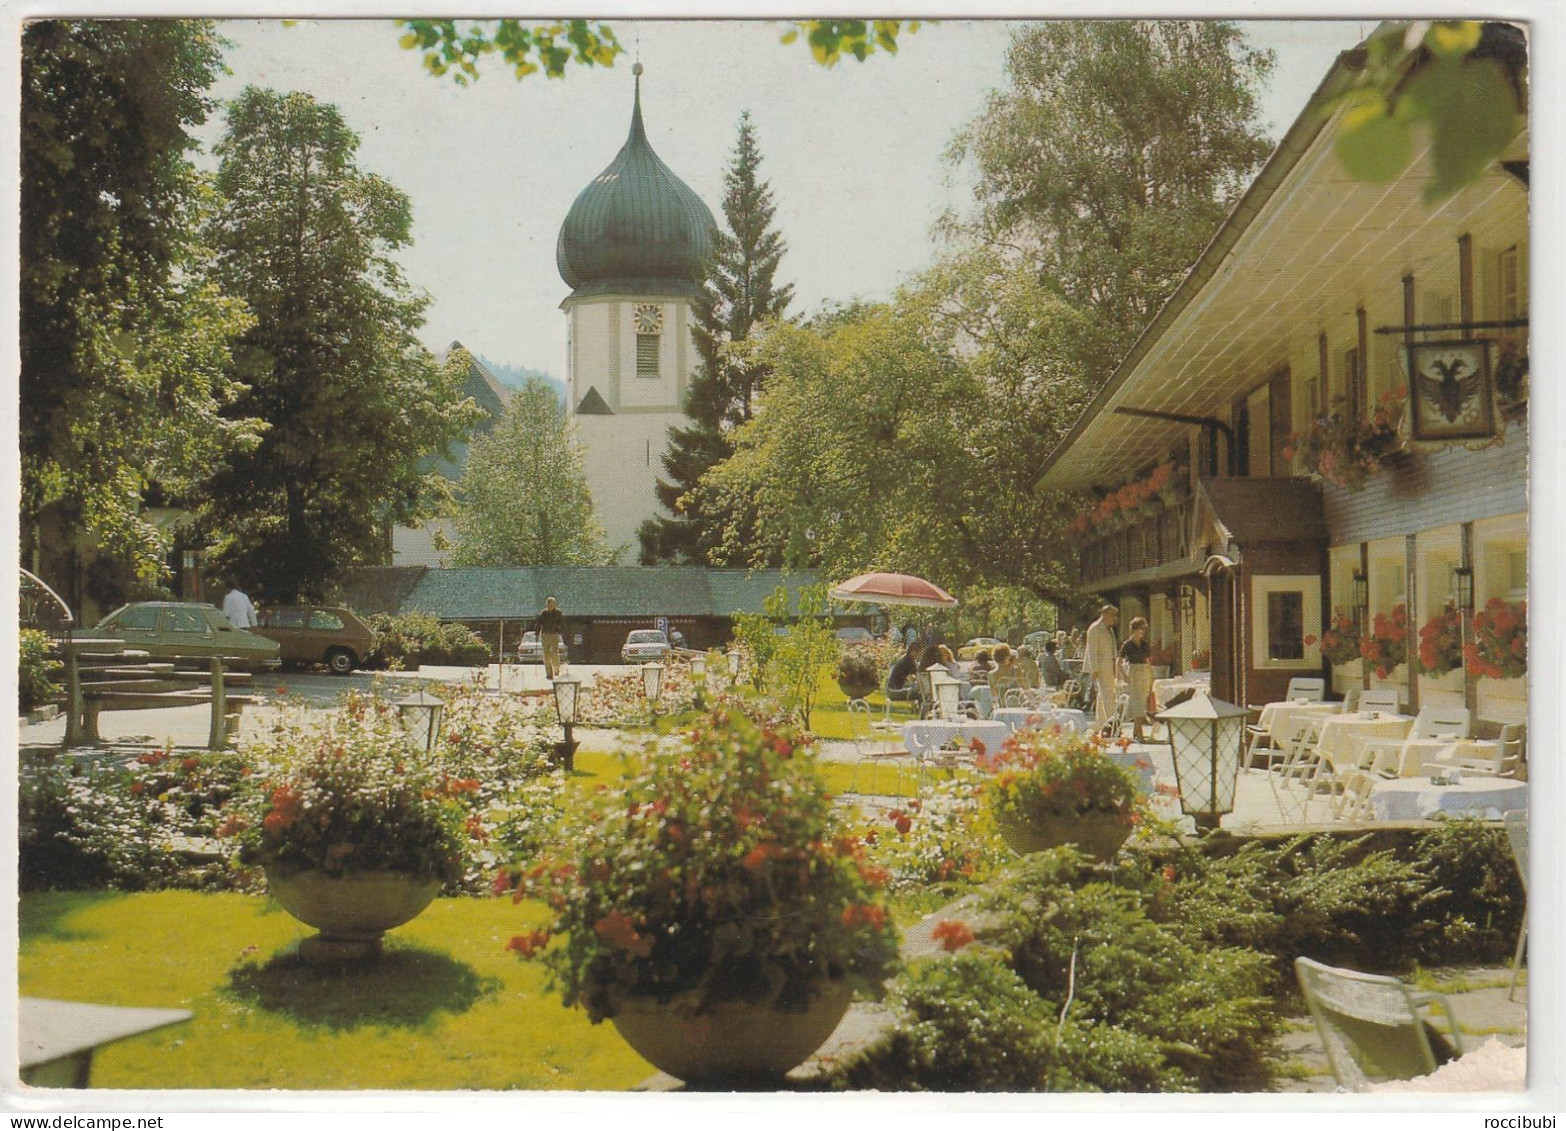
(637, 129)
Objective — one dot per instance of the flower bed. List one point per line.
(1140, 498)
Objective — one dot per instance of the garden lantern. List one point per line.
(1463, 583)
(945, 691)
(420, 715)
(566, 691)
(699, 676)
(734, 665)
(1206, 736)
(652, 681)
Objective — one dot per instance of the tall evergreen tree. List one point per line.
(523, 499)
(740, 291)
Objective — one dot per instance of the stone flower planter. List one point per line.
(1099, 835)
(734, 1041)
(351, 911)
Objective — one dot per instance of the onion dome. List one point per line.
(637, 228)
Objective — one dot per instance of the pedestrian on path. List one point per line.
(237, 607)
(1101, 659)
(550, 627)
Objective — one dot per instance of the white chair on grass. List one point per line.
(1372, 1027)
(870, 752)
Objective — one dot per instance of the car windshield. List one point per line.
(647, 637)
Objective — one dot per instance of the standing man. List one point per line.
(1100, 659)
(550, 627)
(237, 607)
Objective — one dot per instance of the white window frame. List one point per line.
(1309, 587)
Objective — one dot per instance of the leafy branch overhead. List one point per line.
(456, 47)
(1462, 80)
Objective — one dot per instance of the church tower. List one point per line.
(631, 249)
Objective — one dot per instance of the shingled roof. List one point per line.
(598, 591)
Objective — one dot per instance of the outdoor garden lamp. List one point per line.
(1206, 736)
(421, 715)
(1463, 582)
(566, 689)
(652, 680)
(734, 665)
(945, 690)
(699, 675)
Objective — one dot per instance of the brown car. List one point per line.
(317, 634)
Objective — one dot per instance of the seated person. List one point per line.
(901, 685)
(949, 662)
(1050, 666)
(983, 664)
(1028, 667)
(1006, 674)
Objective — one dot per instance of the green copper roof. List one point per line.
(636, 224)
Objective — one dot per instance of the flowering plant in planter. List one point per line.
(858, 671)
(714, 875)
(1164, 487)
(348, 794)
(1385, 646)
(1441, 643)
(1346, 451)
(1500, 647)
(1340, 642)
(1050, 773)
(1202, 660)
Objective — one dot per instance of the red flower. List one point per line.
(617, 930)
(526, 946)
(864, 915)
(952, 934)
(1169, 873)
(757, 857)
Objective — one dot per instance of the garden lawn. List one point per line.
(447, 1007)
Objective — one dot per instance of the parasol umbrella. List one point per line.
(893, 589)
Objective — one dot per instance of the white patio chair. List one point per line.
(870, 752)
(1440, 722)
(1508, 757)
(1378, 699)
(1351, 799)
(1372, 1027)
(1116, 722)
(1069, 695)
(1021, 697)
(1296, 779)
(1351, 700)
(1517, 837)
(1311, 687)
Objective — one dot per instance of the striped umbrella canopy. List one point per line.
(893, 589)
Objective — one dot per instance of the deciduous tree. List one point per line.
(353, 401)
(523, 499)
(124, 339)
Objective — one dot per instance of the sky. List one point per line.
(854, 153)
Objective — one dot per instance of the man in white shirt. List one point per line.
(238, 609)
(1100, 660)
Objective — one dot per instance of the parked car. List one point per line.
(185, 630)
(854, 635)
(643, 645)
(531, 650)
(318, 634)
(971, 649)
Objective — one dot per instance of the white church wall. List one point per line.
(624, 457)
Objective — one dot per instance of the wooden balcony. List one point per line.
(1157, 545)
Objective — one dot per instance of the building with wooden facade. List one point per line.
(1326, 425)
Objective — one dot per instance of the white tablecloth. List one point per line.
(1166, 689)
(1409, 799)
(1338, 734)
(1278, 719)
(927, 736)
(1042, 718)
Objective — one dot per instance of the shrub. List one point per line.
(348, 792)
(35, 670)
(410, 639)
(1080, 989)
(714, 873)
(935, 840)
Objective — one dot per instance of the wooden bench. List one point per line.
(105, 683)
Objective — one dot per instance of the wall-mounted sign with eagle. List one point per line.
(1450, 392)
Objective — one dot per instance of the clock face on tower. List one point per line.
(648, 317)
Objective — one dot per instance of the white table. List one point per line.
(1340, 734)
(56, 1039)
(927, 736)
(1166, 689)
(1410, 799)
(1278, 719)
